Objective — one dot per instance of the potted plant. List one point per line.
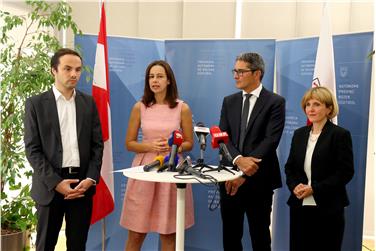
(24, 71)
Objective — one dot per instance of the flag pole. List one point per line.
(104, 234)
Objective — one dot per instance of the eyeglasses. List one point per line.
(240, 72)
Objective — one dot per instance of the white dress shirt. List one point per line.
(66, 110)
(252, 100)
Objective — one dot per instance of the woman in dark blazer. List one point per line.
(319, 166)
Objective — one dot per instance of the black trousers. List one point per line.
(257, 205)
(313, 229)
(77, 214)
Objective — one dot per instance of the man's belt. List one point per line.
(70, 170)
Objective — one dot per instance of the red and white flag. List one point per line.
(103, 201)
(324, 74)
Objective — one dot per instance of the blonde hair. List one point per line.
(324, 95)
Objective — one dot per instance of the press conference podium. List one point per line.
(167, 177)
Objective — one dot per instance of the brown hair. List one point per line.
(324, 95)
(172, 95)
(55, 60)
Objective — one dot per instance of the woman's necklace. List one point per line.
(313, 137)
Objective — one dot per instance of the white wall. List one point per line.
(208, 20)
(216, 19)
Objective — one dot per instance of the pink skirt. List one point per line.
(151, 206)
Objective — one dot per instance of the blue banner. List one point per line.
(203, 73)
(295, 62)
(128, 59)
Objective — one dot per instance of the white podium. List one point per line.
(168, 177)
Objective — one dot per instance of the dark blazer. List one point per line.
(44, 148)
(265, 127)
(332, 166)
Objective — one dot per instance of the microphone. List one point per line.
(174, 142)
(166, 160)
(186, 166)
(181, 166)
(220, 139)
(158, 162)
(201, 132)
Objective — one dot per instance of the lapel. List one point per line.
(50, 105)
(79, 113)
(304, 141)
(257, 108)
(325, 131)
(237, 114)
(303, 145)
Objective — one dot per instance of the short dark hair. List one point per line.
(172, 95)
(254, 61)
(55, 60)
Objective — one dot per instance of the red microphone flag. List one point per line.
(218, 136)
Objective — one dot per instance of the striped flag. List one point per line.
(324, 74)
(103, 201)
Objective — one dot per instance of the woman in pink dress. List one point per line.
(151, 206)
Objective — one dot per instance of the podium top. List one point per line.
(138, 173)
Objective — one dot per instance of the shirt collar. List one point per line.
(59, 95)
(256, 92)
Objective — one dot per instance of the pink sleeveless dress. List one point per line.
(151, 206)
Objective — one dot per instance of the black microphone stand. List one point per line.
(200, 162)
(220, 166)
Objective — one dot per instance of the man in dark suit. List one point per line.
(254, 124)
(64, 146)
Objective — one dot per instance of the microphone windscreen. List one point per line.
(200, 128)
(176, 138)
(160, 158)
(200, 124)
(157, 163)
(218, 136)
(167, 158)
(176, 160)
(214, 129)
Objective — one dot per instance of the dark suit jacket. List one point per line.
(44, 148)
(332, 166)
(264, 130)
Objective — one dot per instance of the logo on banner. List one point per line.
(343, 70)
(316, 82)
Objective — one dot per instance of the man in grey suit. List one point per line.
(64, 146)
(254, 119)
